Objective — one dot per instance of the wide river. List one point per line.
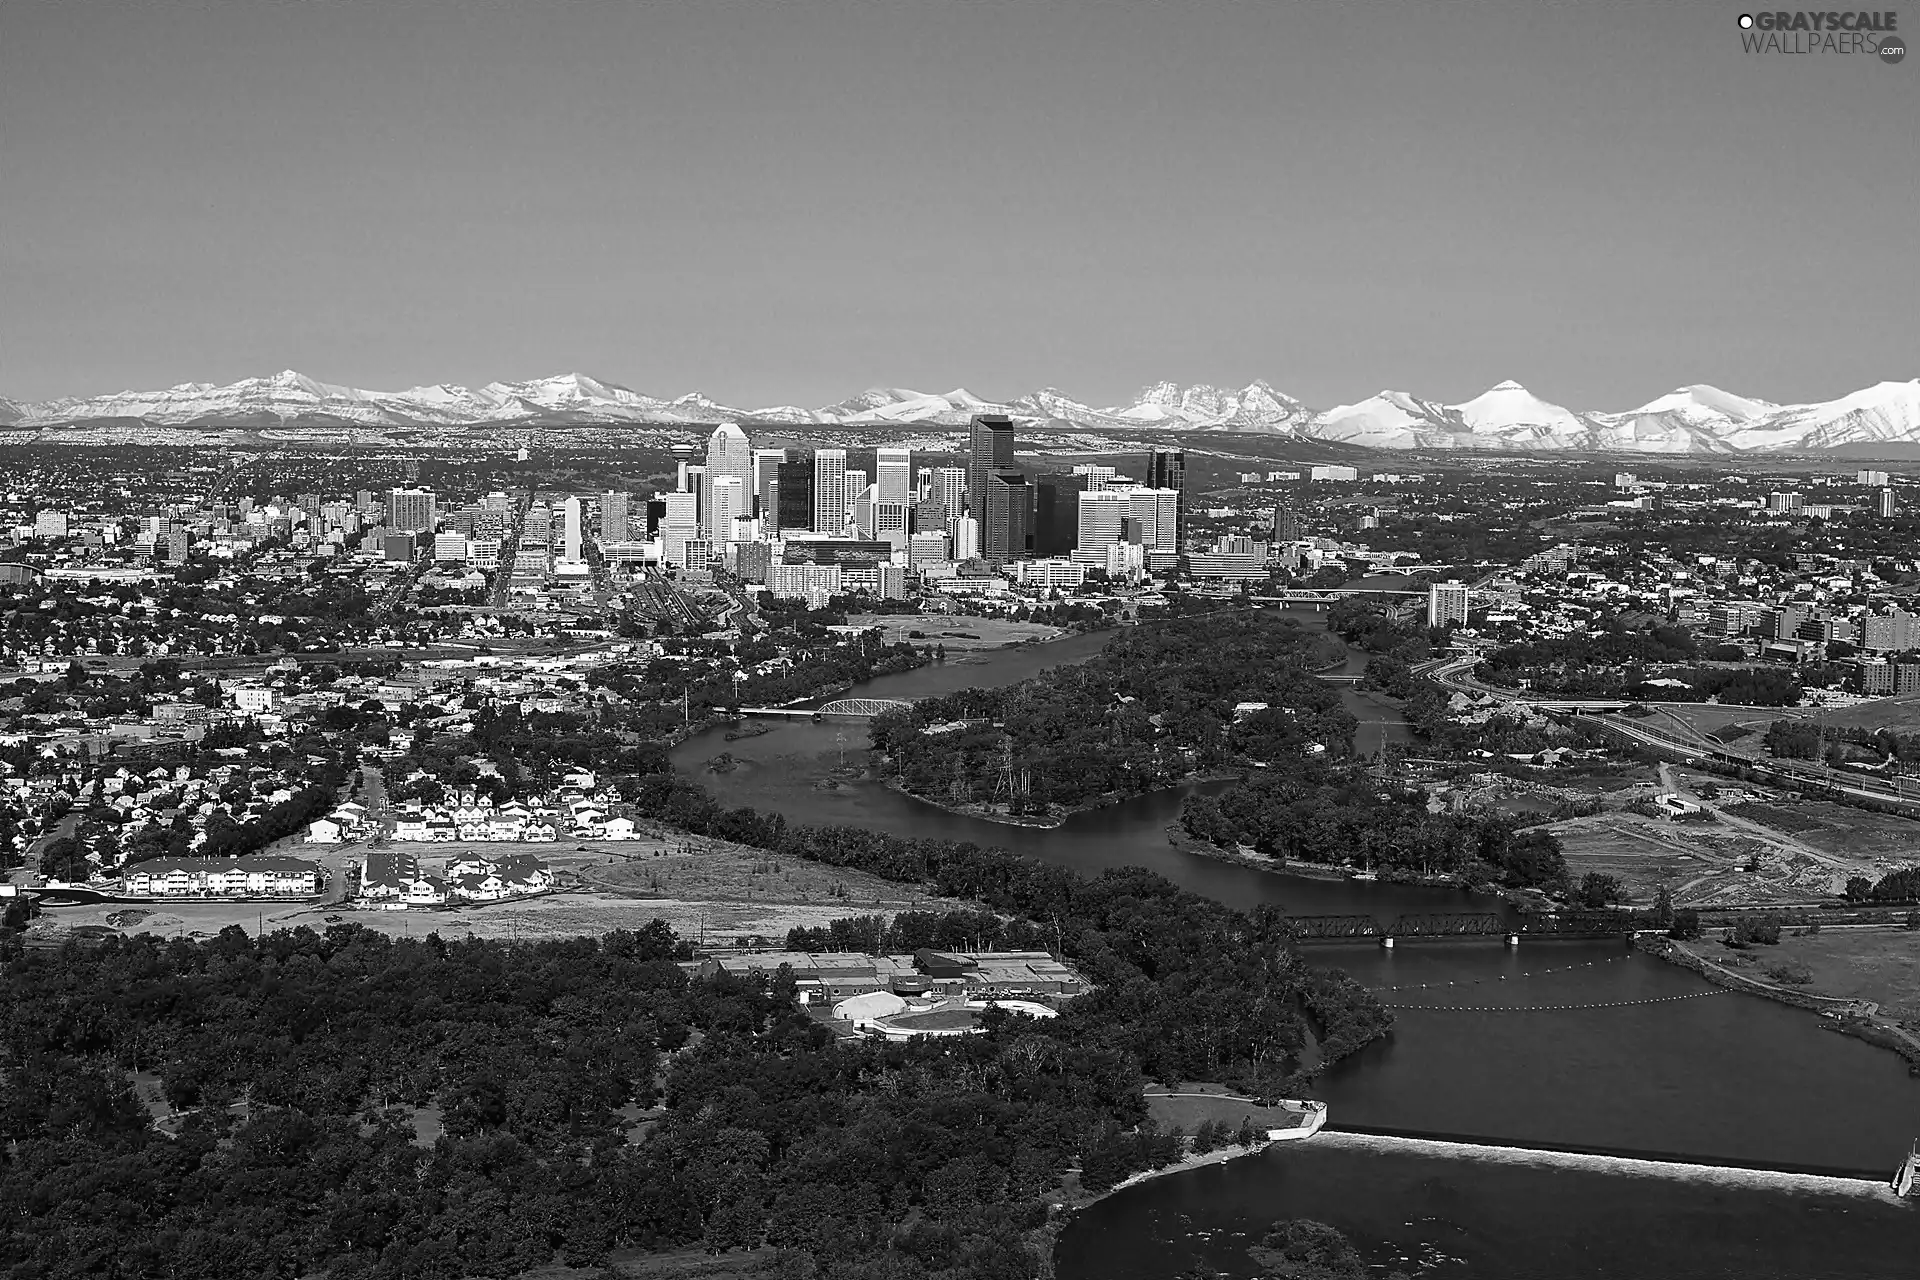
(1710, 1078)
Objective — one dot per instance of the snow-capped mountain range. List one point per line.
(1693, 419)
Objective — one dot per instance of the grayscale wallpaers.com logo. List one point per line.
(1877, 33)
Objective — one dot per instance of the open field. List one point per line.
(1709, 719)
(1900, 714)
(703, 888)
(1882, 965)
(1188, 1112)
(957, 633)
(1842, 830)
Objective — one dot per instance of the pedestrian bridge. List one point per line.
(862, 708)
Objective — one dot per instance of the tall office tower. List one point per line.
(1056, 512)
(1447, 602)
(864, 502)
(1097, 476)
(1785, 502)
(679, 526)
(1007, 533)
(363, 500)
(989, 449)
(1100, 514)
(923, 484)
(656, 515)
(950, 490)
(857, 480)
(727, 501)
(793, 496)
(1889, 506)
(829, 490)
(728, 454)
(615, 516)
(410, 510)
(766, 482)
(930, 517)
(693, 480)
(1156, 512)
(1167, 469)
(572, 536)
(893, 472)
(966, 538)
(1286, 525)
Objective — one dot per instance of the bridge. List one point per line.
(1462, 924)
(861, 708)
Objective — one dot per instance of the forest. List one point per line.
(595, 1098)
(1336, 814)
(1139, 716)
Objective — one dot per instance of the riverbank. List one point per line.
(1839, 1013)
(1074, 1199)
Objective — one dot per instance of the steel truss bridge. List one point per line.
(862, 708)
(1461, 924)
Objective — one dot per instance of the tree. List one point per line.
(1859, 889)
(1686, 924)
(1663, 908)
(1597, 889)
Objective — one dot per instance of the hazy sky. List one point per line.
(787, 202)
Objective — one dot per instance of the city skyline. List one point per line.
(1201, 214)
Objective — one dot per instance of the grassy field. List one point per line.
(703, 888)
(1882, 965)
(1901, 714)
(958, 634)
(1189, 1113)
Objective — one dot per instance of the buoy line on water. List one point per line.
(1531, 973)
(1545, 1008)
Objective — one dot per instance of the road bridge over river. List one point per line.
(857, 708)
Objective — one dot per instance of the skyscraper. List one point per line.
(766, 481)
(793, 496)
(615, 508)
(1156, 512)
(1100, 513)
(728, 454)
(1286, 525)
(571, 537)
(1889, 506)
(1167, 469)
(1007, 532)
(893, 472)
(1447, 602)
(728, 500)
(829, 490)
(950, 490)
(678, 527)
(1056, 512)
(989, 449)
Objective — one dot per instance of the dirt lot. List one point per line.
(1843, 830)
(1882, 965)
(957, 633)
(702, 888)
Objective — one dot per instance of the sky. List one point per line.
(780, 203)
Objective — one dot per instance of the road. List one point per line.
(510, 548)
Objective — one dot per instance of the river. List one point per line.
(1714, 1077)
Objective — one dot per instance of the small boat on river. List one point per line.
(1906, 1179)
(1308, 1116)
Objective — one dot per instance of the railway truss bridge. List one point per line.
(1569, 925)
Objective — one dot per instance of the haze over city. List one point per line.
(783, 204)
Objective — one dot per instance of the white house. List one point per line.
(323, 831)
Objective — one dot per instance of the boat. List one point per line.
(1906, 1179)
(1308, 1116)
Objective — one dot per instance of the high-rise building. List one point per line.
(893, 472)
(793, 496)
(1887, 505)
(678, 526)
(572, 537)
(1007, 532)
(614, 516)
(728, 501)
(989, 449)
(1056, 512)
(766, 482)
(410, 510)
(829, 490)
(1447, 602)
(1785, 502)
(728, 454)
(1156, 513)
(1167, 469)
(1286, 525)
(950, 491)
(1099, 514)
(966, 538)
(1872, 479)
(1894, 632)
(923, 484)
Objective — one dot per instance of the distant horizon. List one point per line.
(971, 387)
(784, 204)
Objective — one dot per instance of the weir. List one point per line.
(1645, 1164)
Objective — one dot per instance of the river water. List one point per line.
(1498, 1051)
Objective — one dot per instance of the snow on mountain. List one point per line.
(1885, 413)
(1689, 420)
(1391, 420)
